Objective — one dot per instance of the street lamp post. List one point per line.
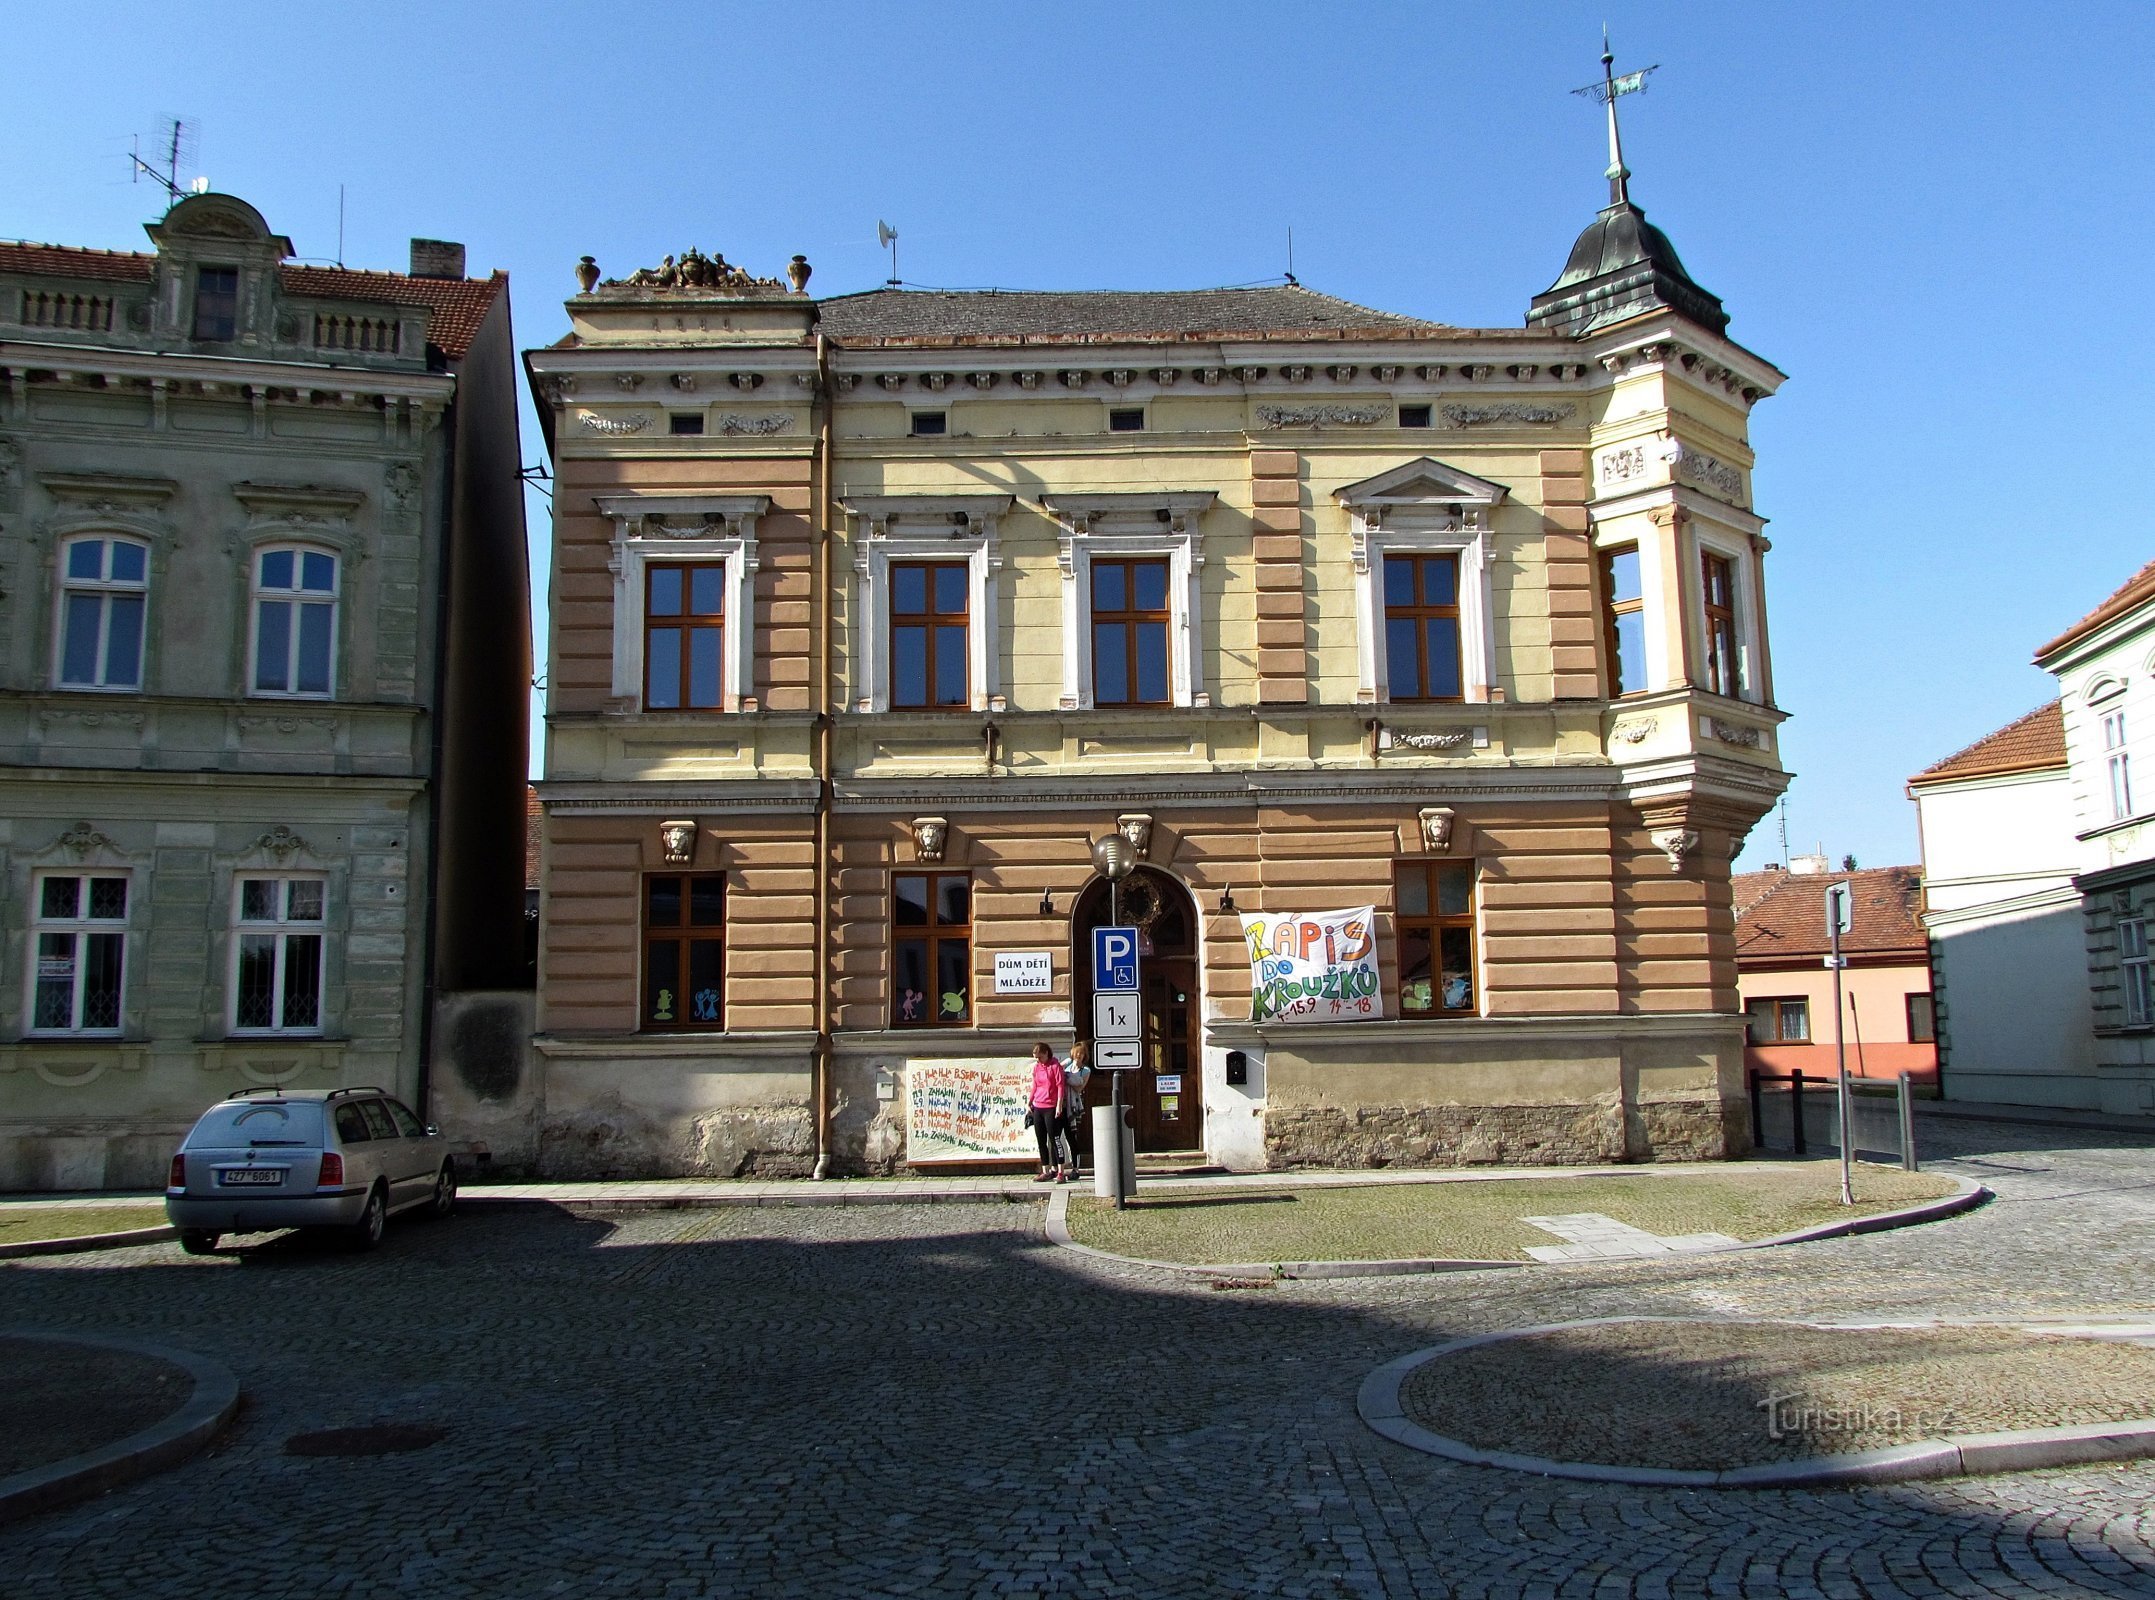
(1114, 858)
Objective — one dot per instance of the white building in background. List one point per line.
(2008, 956)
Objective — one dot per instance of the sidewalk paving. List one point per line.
(2037, 1116)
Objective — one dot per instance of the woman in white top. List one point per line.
(1077, 1072)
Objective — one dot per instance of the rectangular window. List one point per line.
(2133, 972)
(1129, 633)
(1624, 620)
(80, 929)
(683, 423)
(684, 916)
(929, 424)
(1421, 627)
(1434, 915)
(1778, 1021)
(931, 979)
(1414, 416)
(684, 628)
(929, 664)
(277, 961)
(295, 622)
(216, 303)
(1126, 419)
(104, 585)
(1724, 663)
(1922, 1020)
(2119, 766)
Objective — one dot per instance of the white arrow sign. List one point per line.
(1117, 1055)
(1115, 1016)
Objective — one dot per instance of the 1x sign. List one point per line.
(1114, 958)
(1115, 1016)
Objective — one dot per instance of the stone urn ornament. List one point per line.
(797, 271)
(587, 274)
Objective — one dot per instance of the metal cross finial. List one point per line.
(1607, 92)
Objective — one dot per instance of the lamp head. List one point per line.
(1113, 858)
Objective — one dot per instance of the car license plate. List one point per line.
(242, 1177)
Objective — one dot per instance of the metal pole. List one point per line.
(1908, 1123)
(1795, 1107)
(1122, 1178)
(1840, 1062)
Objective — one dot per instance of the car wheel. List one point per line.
(373, 1221)
(444, 1191)
(198, 1241)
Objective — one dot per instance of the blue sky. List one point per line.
(1934, 217)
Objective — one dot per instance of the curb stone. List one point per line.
(2011, 1450)
(204, 1414)
(1971, 1194)
(86, 1241)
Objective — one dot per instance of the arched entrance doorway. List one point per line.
(1166, 1095)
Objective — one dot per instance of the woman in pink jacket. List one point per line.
(1044, 1110)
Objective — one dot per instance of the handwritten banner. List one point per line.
(1313, 966)
(968, 1110)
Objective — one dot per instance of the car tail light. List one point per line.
(332, 1171)
(178, 1180)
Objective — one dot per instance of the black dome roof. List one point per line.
(1620, 267)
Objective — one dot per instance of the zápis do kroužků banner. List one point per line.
(1313, 966)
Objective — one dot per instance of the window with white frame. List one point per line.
(1724, 624)
(1118, 618)
(684, 570)
(927, 596)
(104, 591)
(2134, 976)
(277, 947)
(2117, 765)
(80, 930)
(1419, 541)
(295, 622)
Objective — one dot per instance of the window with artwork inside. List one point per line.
(929, 650)
(931, 949)
(80, 930)
(1421, 627)
(684, 635)
(1778, 1020)
(1129, 632)
(1624, 619)
(1922, 1020)
(295, 621)
(104, 590)
(1434, 913)
(684, 925)
(1724, 650)
(2134, 975)
(277, 935)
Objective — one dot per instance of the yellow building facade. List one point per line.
(873, 614)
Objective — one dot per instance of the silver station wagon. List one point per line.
(337, 1158)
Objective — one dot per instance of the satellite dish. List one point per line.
(885, 235)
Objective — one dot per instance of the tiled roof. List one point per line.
(460, 304)
(941, 316)
(534, 816)
(1786, 914)
(2031, 743)
(2140, 586)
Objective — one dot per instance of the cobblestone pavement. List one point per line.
(929, 1400)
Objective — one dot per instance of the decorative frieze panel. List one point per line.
(614, 426)
(1321, 416)
(1509, 411)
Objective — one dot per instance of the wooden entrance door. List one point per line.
(1166, 1094)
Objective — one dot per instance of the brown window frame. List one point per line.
(932, 622)
(1930, 1017)
(1780, 1004)
(1614, 609)
(1133, 618)
(1432, 924)
(688, 623)
(934, 936)
(685, 933)
(1420, 613)
(1723, 664)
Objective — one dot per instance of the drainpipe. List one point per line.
(821, 615)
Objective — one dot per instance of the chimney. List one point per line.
(437, 258)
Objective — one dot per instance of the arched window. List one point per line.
(104, 586)
(295, 621)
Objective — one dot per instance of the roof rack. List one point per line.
(357, 1088)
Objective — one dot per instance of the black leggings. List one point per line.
(1044, 1132)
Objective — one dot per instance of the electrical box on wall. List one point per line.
(1238, 1068)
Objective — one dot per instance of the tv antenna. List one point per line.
(179, 139)
(1608, 92)
(887, 237)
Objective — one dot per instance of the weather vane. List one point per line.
(1606, 92)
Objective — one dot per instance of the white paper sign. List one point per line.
(1024, 972)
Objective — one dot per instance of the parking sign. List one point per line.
(1114, 958)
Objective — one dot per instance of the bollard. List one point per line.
(1114, 1153)
(1908, 1123)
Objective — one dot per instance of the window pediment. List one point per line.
(1421, 483)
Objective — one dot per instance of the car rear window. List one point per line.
(247, 1122)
